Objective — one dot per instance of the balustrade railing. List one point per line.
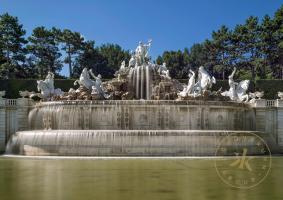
(270, 103)
(11, 102)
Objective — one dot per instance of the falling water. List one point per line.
(140, 80)
(122, 143)
(131, 127)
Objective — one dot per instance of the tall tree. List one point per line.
(91, 59)
(198, 56)
(277, 34)
(114, 55)
(72, 44)
(249, 45)
(44, 51)
(177, 63)
(12, 41)
(221, 45)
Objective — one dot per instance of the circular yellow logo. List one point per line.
(245, 160)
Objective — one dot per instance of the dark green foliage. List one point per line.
(72, 45)
(104, 60)
(12, 51)
(13, 86)
(254, 47)
(44, 51)
(270, 88)
(176, 62)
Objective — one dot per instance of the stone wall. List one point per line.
(13, 117)
(269, 119)
(142, 115)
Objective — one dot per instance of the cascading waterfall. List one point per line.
(123, 143)
(140, 80)
(133, 128)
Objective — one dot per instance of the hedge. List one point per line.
(13, 86)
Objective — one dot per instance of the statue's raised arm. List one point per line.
(233, 73)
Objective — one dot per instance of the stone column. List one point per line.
(2, 124)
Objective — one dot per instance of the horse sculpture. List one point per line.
(46, 88)
(85, 80)
(237, 91)
(241, 91)
(205, 81)
(94, 86)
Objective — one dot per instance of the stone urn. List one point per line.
(259, 95)
(24, 94)
(280, 94)
(2, 93)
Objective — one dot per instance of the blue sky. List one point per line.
(172, 24)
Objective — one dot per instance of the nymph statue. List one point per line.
(189, 90)
(163, 71)
(97, 87)
(123, 65)
(232, 84)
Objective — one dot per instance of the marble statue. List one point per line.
(280, 95)
(49, 80)
(132, 61)
(97, 87)
(189, 89)
(232, 87)
(123, 65)
(85, 80)
(46, 87)
(141, 52)
(205, 81)
(237, 91)
(163, 71)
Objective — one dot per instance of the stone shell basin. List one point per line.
(142, 115)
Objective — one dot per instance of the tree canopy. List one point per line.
(254, 47)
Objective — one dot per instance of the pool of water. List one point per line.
(127, 178)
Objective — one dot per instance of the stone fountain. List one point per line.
(141, 112)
